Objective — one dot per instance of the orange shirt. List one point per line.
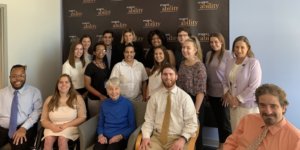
(281, 136)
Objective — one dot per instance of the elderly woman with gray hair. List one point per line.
(116, 119)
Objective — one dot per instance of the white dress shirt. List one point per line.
(183, 113)
(131, 78)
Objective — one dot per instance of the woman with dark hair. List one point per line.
(161, 58)
(129, 37)
(62, 113)
(95, 76)
(86, 41)
(216, 61)
(242, 77)
(75, 66)
(157, 38)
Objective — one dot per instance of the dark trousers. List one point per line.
(30, 135)
(121, 145)
(222, 116)
(199, 141)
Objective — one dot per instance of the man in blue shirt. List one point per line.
(28, 110)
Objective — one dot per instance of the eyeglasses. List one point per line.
(17, 76)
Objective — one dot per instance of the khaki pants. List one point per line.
(157, 145)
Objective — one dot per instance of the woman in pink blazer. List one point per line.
(242, 76)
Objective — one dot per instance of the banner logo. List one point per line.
(75, 13)
(73, 38)
(103, 12)
(171, 38)
(187, 22)
(118, 24)
(205, 5)
(99, 37)
(149, 23)
(133, 10)
(139, 38)
(88, 1)
(88, 26)
(168, 8)
(203, 37)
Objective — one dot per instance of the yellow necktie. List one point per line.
(165, 126)
(259, 140)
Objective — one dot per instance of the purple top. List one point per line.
(216, 73)
(247, 80)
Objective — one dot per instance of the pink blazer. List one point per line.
(248, 79)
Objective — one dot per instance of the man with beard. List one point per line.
(170, 116)
(268, 130)
(18, 124)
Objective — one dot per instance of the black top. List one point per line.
(98, 78)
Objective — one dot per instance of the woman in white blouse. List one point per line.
(242, 77)
(161, 57)
(75, 66)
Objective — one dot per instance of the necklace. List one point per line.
(100, 64)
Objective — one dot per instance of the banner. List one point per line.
(94, 16)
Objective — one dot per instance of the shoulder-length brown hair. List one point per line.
(54, 101)
(243, 39)
(71, 57)
(166, 60)
(220, 37)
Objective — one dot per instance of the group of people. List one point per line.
(104, 78)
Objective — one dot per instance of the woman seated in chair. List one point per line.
(116, 119)
(62, 113)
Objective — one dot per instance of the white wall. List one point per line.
(34, 38)
(272, 26)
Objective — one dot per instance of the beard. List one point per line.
(169, 84)
(16, 86)
(269, 119)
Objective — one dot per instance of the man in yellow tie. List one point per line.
(170, 118)
(268, 130)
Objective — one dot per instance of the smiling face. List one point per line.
(188, 50)
(156, 41)
(113, 92)
(215, 44)
(129, 54)
(168, 77)
(270, 109)
(78, 52)
(107, 39)
(17, 77)
(86, 42)
(159, 55)
(64, 85)
(128, 37)
(100, 52)
(240, 49)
